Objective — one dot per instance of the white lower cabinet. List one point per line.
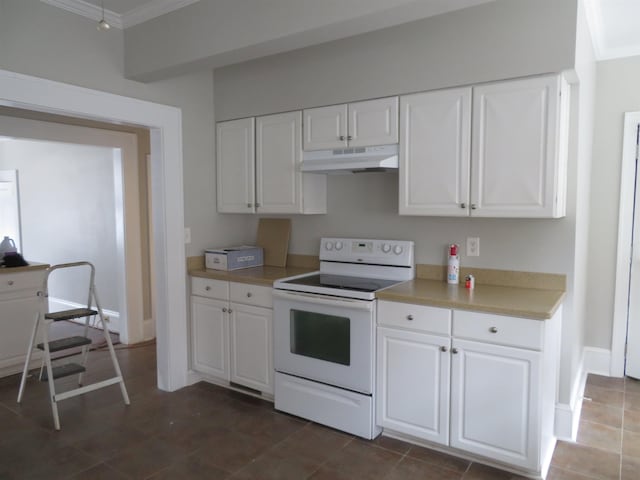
(413, 380)
(250, 339)
(495, 406)
(231, 337)
(478, 388)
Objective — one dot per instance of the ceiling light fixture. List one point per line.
(103, 25)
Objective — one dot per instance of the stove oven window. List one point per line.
(321, 336)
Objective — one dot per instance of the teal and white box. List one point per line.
(233, 258)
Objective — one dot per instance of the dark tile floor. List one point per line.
(207, 432)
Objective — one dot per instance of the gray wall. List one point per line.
(502, 39)
(67, 208)
(44, 41)
(618, 92)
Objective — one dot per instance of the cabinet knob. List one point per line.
(249, 294)
(341, 137)
(349, 137)
(10, 282)
(454, 351)
(207, 288)
(257, 205)
(443, 349)
(473, 206)
(224, 309)
(463, 205)
(493, 330)
(409, 317)
(248, 205)
(229, 310)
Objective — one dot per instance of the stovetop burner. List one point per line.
(342, 282)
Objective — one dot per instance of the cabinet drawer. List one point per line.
(251, 294)
(207, 287)
(415, 317)
(12, 282)
(510, 331)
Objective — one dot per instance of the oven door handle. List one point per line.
(324, 300)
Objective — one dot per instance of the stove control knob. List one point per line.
(386, 248)
(397, 249)
(338, 245)
(328, 246)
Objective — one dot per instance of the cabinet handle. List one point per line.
(409, 317)
(207, 288)
(248, 205)
(224, 309)
(249, 294)
(10, 282)
(349, 137)
(443, 349)
(454, 351)
(493, 330)
(473, 206)
(463, 205)
(341, 137)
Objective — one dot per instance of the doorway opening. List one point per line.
(625, 345)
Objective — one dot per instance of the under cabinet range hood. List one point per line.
(382, 158)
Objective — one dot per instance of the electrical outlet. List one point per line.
(187, 235)
(473, 246)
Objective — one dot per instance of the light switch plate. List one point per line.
(473, 246)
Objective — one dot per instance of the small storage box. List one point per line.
(233, 258)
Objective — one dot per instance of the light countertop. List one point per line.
(264, 275)
(32, 266)
(502, 300)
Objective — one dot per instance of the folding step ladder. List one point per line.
(50, 373)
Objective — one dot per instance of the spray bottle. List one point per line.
(453, 265)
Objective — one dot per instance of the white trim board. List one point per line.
(169, 259)
(135, 16)
(625, 226)
(568, 415)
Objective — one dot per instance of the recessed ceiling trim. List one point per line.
(147, 11)
(87, 10)
(152, 9)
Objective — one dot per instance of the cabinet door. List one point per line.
(251, 347)
(516, 158)
(209, 336)
(235, 158)
(435, 153)
(17, 317)
(373, 122)
(325, 128)
(278, 156)
(413, 384)
(495, 407)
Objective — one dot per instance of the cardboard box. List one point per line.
(233, 258)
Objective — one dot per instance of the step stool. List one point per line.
(49, 373)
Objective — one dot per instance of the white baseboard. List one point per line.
(568, 415)
(56, 304)
(149, 329)
(597, 360)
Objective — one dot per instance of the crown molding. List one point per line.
(87, 10)
(151, 9)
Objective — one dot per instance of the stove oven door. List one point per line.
(325, 339)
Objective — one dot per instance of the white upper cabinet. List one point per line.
(325, 127)
(435, 132)
(516, 165)
(359, 124)
(519, 149)
(235, 154)
(265, 176)
(280, 185)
